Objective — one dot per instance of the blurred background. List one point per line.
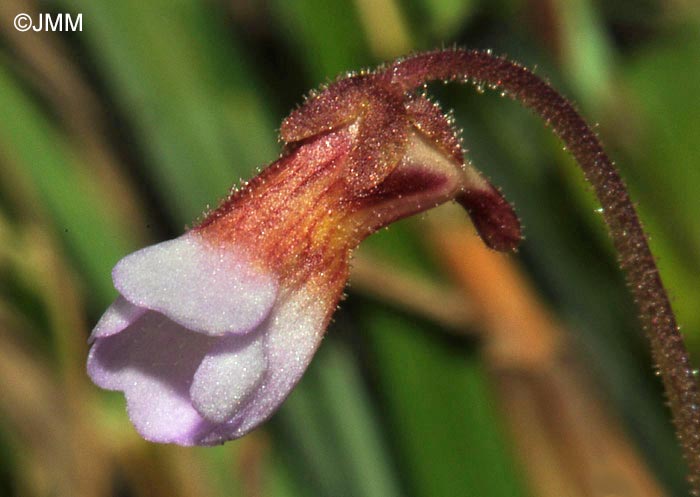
(450, 370)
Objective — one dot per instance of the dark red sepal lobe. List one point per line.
(493, 217)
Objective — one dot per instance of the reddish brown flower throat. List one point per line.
(358, 156)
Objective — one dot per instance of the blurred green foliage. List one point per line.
(177, 101)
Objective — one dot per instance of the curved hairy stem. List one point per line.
(635, 257)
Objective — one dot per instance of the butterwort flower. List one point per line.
(213, 329)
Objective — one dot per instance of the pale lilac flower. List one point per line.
(193, 341)
(213, 329)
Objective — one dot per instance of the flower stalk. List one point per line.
(634, 255)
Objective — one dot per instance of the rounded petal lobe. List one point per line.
(228, 375)
(292, 334)
(116, 318)
(153, 362)
(203, 287)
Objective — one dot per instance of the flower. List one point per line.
(213, 329)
